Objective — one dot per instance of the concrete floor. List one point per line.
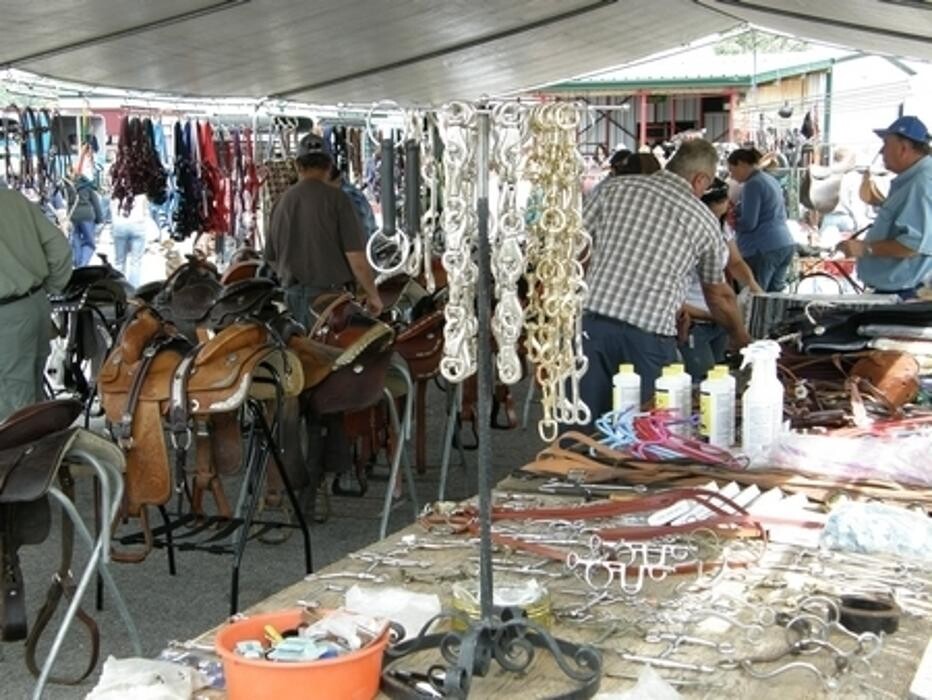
(180, 607)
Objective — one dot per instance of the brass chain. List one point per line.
(557, 244)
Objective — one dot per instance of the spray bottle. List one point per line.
(762, 402)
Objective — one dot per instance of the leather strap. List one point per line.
(179, 416)
(123, 431)
(63, 586)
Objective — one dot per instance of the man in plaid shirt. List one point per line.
(649, 233)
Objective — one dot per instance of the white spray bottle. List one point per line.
(762, 402)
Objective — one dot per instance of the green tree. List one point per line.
(765, 43)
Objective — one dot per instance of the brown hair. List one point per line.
(639, 164)
(751, 156)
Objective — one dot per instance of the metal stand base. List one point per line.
(507, 638)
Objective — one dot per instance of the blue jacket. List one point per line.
(906, 217)
(761, 225)
(361, 206)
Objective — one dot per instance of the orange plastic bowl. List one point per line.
(353, 676)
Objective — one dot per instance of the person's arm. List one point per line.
(723, 306)
(739, 270)
(365, 279)
(354, 248)
(719, 296)
(854, 248)
(750, 205)
(911, 232)
(95, 205)
(57, 251)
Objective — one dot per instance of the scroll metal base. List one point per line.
(509, 638)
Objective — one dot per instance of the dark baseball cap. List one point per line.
(908, 127)
(311, 144)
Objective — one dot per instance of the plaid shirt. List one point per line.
(649, 233)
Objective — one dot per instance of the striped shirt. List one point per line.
(649, 233)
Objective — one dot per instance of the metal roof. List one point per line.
(414, 51)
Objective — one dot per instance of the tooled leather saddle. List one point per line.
(194, 359)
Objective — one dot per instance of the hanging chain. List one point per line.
(556, 248)
(389, 252)
(430, 180)
(460, 134)
(506, 236)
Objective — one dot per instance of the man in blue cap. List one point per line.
(896, 254)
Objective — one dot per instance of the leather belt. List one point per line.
(19, 297)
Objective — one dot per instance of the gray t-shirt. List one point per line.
(312, 228)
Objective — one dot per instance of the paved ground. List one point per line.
(179, 607)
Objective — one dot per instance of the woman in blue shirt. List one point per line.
(761, 232)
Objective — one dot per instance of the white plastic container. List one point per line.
(762, 402)
(673, 391)
(717, 407)
(626, 388)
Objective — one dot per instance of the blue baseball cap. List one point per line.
(908, 127)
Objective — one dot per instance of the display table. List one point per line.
(732, 609)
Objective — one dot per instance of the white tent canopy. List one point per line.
(413, 51)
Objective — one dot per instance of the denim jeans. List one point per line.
(83, 242)
(129, 247)
(704, 348)
(608, 342)
(770, 268)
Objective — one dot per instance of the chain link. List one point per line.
(506, 236)
(458, 123)
(555, 250)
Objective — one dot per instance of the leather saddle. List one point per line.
(98, 285)
(364, 346)
(33, 442)
(188, 295)
(159, 379)
(820, 189)
(417, 317)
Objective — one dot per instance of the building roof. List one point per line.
(701, 67)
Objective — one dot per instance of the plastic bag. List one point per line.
(905, 459)
(876, 528)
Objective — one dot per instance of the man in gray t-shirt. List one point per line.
(315, 242)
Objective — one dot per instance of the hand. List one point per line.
(739, 340)
(683, 323)
(374, 305)
(852, 248)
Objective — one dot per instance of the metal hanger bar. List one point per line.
(129, 31)
(437, 53)
(790, 14)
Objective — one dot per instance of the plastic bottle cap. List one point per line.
(626, 368)
(669, 371)
(718, 372)
(677, 368)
